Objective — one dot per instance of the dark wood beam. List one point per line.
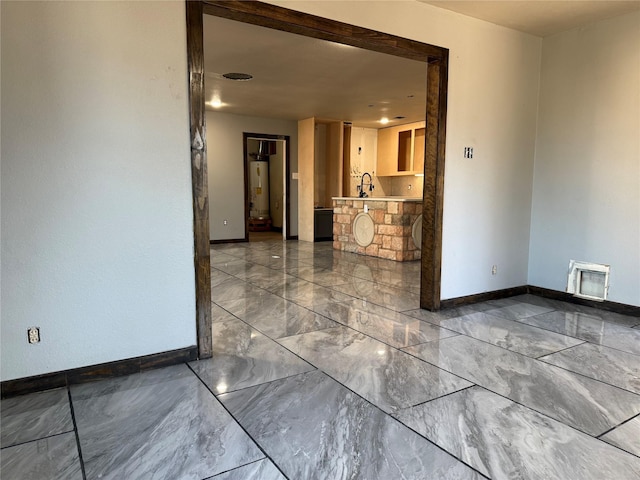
(198, 135)
(433, 193)
(279, 18)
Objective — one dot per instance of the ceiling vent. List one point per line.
(588, 280)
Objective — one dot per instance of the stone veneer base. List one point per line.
(392, 227)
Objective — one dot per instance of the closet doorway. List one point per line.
(266, 193)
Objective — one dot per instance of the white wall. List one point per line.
(97, 222)
(586, 201)
(226, 169)
(493, 93)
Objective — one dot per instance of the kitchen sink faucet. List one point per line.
(361, 192)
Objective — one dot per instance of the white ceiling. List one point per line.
(539, 17)
(297, 77)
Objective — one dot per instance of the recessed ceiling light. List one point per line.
(384, 120)
(241, 77)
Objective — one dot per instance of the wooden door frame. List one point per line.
(287, 169)
(279, 18)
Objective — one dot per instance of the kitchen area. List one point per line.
(363, 187)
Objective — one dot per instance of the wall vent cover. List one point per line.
(588, 280)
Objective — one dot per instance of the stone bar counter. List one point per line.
(385, 227)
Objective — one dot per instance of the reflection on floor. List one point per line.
(324, 367)
(265, 236)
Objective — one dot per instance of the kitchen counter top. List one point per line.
(381, 227)
(381, 199)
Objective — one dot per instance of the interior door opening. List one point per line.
(266, 166)
(258, 13)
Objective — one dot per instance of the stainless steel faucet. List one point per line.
(361, 192)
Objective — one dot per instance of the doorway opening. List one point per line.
(266, 167)
(436, 60)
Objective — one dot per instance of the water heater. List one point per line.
(259, 189)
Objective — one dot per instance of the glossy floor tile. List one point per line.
(275, 316)
(243, 357)
(514, 336)
(626, 436)
(604, 315)
(218, 277)
(51, 458)
(159, 424)
(518, 311)
(588, 405)
(387, 377)
(398, 299)
(320, 276)
(234, 288)
(34, 416)
(592, 329)
(446, 313)
(308, 294)
(260, 470)
(316, 351)
(386, 325)
(504, 440)
(314, 428)
(219, 314)
(602, 363)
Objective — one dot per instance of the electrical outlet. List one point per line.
(494, 270)
(224, 222)
(33, 335)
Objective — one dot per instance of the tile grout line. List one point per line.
(599, 437)
(522, 321)
(77, 434)
(586, 376)
(374, 406)
(213, 477)
(26, 442)
(540, 357)
(512, 400)
(215, 398)
(390, 415)
(617, 426)
(442, 396)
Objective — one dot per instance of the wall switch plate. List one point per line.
(468, 152)
(494, 270)
(366, 208)
(33, 335)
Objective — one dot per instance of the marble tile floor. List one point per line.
(324, 367)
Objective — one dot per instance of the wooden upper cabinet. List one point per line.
(387, 160)
(401, 150)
